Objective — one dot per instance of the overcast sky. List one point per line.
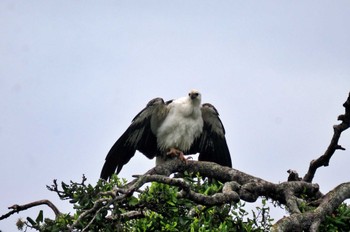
(74, 73)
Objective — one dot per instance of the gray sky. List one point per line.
(74, 73)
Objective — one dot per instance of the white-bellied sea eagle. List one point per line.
(172, 128)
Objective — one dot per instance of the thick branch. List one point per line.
(311, 220)
(247, 187)
(333, 146)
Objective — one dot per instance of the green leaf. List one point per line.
(133, 201)
(171, 203)
(31, 221)
(40, 217)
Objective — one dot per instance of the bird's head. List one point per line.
(195, 95)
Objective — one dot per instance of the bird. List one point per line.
(174, 128)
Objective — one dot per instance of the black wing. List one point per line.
(211, 145)
(138, 136)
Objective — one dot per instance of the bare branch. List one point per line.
(17, 208)
(333, 146)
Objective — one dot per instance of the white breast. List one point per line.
(182, 125)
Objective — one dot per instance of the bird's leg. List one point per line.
(175, 152)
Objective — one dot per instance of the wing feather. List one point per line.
(211, 145)
(138, 136)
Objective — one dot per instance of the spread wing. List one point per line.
(139, 136)
(211, 145)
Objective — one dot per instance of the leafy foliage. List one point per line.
(158, 207)
(338, 221)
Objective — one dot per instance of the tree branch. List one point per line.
(311, 220)
(17, 208)
(333, 146)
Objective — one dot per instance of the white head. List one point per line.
(195, 96)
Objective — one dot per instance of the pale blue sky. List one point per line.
(74, 73)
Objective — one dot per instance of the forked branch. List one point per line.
(333, 146)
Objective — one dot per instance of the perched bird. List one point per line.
(172, 128)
